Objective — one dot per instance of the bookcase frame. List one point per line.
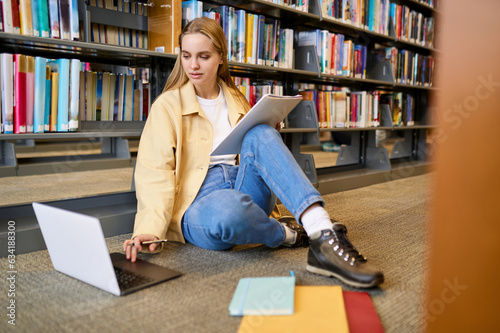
(360, 163)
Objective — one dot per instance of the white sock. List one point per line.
(315, 219)
(290, 235)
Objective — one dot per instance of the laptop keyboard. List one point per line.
(128, 280)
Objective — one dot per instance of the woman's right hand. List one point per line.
(132, 246)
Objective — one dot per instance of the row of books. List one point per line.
(108, 34)
(254, 90)
(412, 26)
(408, 67)
(251, 38)
(302, 5)
(336, 55)
(342, 108)
(377, 15)
(369, 14)
(46, 95)
(41, 18)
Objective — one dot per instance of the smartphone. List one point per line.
(154, 242)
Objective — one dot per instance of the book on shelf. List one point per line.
(54, 19)
(7, 87)
(10, 16)
(341, 107)
(48, 101)
(20, 99)
(74, 25)
(62, 67)
(25, 17)
(30, 90)
(263, 296)
(42, 14)
(74, 95)
(128, 97)
(164, 26)
(65, 19)
(54, 99)
(112, 34)
(191, 9)
(39, 101)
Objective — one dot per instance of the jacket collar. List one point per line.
(191, 105)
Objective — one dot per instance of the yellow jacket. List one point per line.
(173, 159)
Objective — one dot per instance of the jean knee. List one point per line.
(260, 130)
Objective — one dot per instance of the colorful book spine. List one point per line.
(128, 98)
(30, 93)
(20, 69)
(25, 17)
(63, 95)
(73, 20)
(35, 18)
(43, 17)
(6, 14)
(54, 19)
(64, 19)
(240, 38)
(7, 86)
(54, 78)
(39, 101)
(16, 20)
(48, 97)
(74, 95)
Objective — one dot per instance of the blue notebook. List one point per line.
(264, 296)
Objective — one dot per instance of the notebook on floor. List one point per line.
(77, 248)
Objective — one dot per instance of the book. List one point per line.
(35, 18)
(317, 309)
(54, 98)
(30, 93)
(16, 20)
(48, 99)
(128, 97)
(39, 102)
(361, 314)
(20, 69)
(74, 95)
(43, 17)
(54, 18)
(6, 14)
(74, 30)
(264, 296)
(64, 19)
(62, 66)
(270, 110)
(25, 17)
(7, 88)
(164, 26)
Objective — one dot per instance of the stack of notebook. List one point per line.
(276, 304)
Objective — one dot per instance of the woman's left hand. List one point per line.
(278, 126)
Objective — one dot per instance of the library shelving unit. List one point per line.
(359, 163)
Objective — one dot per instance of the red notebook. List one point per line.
(361, 314)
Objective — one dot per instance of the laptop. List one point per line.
(77, 248)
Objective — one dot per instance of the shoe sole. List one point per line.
(355, 284)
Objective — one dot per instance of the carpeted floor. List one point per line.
(387, 223)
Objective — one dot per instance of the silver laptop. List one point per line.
(77, 248)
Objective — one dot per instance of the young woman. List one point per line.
(217, 202)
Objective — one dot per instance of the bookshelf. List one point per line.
(359, 163)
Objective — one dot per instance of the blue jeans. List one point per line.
(234, 202)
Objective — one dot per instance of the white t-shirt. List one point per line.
(216, 112)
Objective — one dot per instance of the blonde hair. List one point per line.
(213, 31)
